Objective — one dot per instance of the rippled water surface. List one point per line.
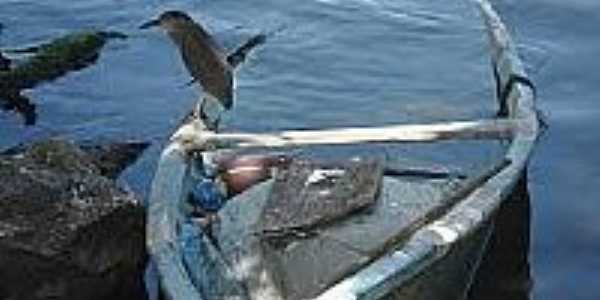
(345, 63)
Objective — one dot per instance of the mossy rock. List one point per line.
(56, 58)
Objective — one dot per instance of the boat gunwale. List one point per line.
(432, 242)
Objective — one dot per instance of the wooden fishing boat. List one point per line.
(346, 230)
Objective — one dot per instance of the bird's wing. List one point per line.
(227, 100)
(210, 42)
(208, 65)
(239, 55)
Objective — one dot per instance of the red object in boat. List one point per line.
(241, 172)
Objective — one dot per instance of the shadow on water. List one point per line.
(12, 99)
(15, 101)
(504, 271)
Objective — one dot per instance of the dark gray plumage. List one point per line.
(206, 60)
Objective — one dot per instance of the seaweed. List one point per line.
(52, 60)
(48, 62)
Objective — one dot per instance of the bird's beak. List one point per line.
(151, 23)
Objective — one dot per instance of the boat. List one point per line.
(356, 229)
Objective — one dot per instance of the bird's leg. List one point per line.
(217, 122)
(200, 112)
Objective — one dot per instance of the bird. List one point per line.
(207, 61)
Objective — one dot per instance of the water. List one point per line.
(564, 173)
(345, 63)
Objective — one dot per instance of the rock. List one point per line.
(67, 231)
(108, 158)
(14, 100)
(4, 63)
(113, 158)
(11, 99)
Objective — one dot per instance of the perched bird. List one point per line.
(204, 58)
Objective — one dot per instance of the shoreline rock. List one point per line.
(67, 231)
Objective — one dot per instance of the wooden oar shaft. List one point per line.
(480, 129)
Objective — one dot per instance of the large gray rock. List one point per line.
(67, 231)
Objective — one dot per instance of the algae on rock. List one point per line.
(48, 61)
(54, 59)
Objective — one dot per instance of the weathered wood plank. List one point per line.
(197, 137)
(306, 195)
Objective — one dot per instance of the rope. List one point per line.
(502, 93)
